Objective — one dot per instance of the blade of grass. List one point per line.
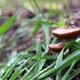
(8, 23)
(46, 46)
(31, 48)
(47, 38)
(39, 62)
(54, 39)
(46, 69)
(19, 70)
(62, 22)
(72, 75)
(46, 32)
(14, 56)
(32, 68)
(11, 68)
(69, 70)
(30, 72)
(36, 27)
(38, 56)
(48, 57)
(49, 67)
(36, 4)
(58, 63)
(67, 62)
(72, 43)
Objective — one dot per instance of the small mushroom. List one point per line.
(67, 32)
(57, 47)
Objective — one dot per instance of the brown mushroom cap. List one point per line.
(66, 32)
(57, 47)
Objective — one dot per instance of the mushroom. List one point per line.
(57, 47)
(66, 33)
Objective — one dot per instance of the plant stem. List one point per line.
(66, 4)
(36, 4)
(67, 7)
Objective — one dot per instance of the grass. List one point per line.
(32, 65)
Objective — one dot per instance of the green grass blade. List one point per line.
(48, 57)
(16, 60)
(39, 62)
(8, 24)
(10, 69)
(29, 73)
(54, 40)
(69, 70)
(62, 22)
(47, 38)
(72, 43)
(58, 63)
(38, 49)
(46, 69)
(36, 27)
(38, 56)
(72, 75)
(67, 62)
(13, 58)
(18, 71)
